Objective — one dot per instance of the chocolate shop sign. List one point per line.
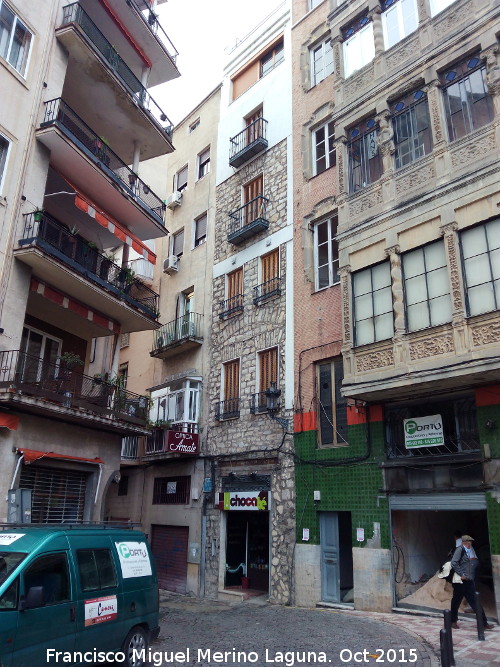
(178, 442)
(244, 500)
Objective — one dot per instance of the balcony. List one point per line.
(181, 439)
(184, 333)
(136, 115)
(248, 220)
(231, 307)
(248, 143)
(65, 393)
(268, 290)
(65, 259)
(259, 403)
(87, 160)
(229, 409)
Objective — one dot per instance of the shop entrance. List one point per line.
(336, 556)
(247, 550)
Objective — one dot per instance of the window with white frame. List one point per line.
(311, 4)
(372, 301)
(177, 404)
(177, 247)
(412, 128)
(481, 260)
(326, 253)
(438, 5)
(200, 230)
(181, 179)
(194, 125)
(15, 39)
(4, 152)
(427, 286)
(321, 57)
(323, 147)
(359, 45)
(399, 19)
(204, 163)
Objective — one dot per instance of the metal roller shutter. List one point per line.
(169, 545)
(58, 495)
(441, 501)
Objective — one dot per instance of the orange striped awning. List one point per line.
(9, 421)
(32, 455)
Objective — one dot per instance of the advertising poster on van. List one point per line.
(134, 559)
(101, 610)
(423, 431)
(9, 538)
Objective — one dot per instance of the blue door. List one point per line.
(330, 567)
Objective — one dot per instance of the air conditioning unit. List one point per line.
(171, 264)
(174, 200)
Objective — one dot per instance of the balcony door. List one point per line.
(253, 127)
(251, 199)
(231, 386)
(39, 355)
(186, 320)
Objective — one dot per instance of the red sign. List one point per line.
(178, 442)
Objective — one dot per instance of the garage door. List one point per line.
(58, 495)
(439, 501)
(169, 546)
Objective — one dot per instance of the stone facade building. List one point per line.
(249, 508)
(78, 123)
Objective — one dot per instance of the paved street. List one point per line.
(206, 633)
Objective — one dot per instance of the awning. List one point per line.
(9, 421)
(32, 455)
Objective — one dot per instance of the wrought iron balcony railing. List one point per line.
(151, 19)
(248, 220)
(130, 447)
(74, 13)
(267, 290)
(259, 403)
(58, 113)
(42, 230)
(229, 409)
(251, 141)
(231, 306)
(57, 383)
(187, 326)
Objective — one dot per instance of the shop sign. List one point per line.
(178, 442)
(423, 431)
(244, 500)
(134, 559)
(100, 610)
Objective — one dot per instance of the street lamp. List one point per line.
(273, 405)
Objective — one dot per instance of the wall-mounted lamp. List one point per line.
(273, 405)
(490, 424)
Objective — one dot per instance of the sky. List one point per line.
(202, 32)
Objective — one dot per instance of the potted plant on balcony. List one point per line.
(38, 215)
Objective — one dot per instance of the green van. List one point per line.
(76, 594)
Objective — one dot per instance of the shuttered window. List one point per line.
(253, 189)
(181, 179)
(232, 380)
(178, 243)
(58, 495)
(254, 126)
(268, 368)
(252, 195)
(234, 283)
(270, 266)
(200, 230)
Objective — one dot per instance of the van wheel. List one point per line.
(135, 643)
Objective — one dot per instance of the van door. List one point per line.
(51, 623)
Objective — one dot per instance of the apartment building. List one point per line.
(249, 471)
(78, 122)
(162, 475)
(416, 119)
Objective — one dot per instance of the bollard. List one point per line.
(449, 635)
(444, 645)
(479, 619)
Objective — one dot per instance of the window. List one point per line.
(203, 163)
(326, 253)
(399, 19)
(181, 179)
(123, 375)
(96, 569)
(321, 61)
(178, 243)
(332, 406)
(235, 288)
(254, 127)
(15, 39)
(467, 102)
(438, 5)
(313, 3)
(200, 230)
(272, 58)
(427, 287)
(252, 199)
(177, 404)
(39, 355)
(481, 258)
(4, 152)
(232, 381)
(268, 368)
(51, 572)
(359, 47)
(373, 319)
(194, 125)
(324, 147)
(412, 133)
(365, 163)
(270, 265)
(171, 490)
(124, 340)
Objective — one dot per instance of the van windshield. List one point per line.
(9, 560)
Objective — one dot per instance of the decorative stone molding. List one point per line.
(399, 55)
(453, 17)
(423, 11)
(385, 136)
(340, 153)
(363, 203)
(486, 334)
(337, 57)
(345, 274)
(414, 178)
(449, 233)
(378, 34)
(433, 91)
(374, 360)
(360, 81)
(431, 347)
(491, 56)
(321, 209)
(397, 290)
(474, 149)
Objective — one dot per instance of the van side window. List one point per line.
(96, 569)
(8, 601)
(51, 572)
